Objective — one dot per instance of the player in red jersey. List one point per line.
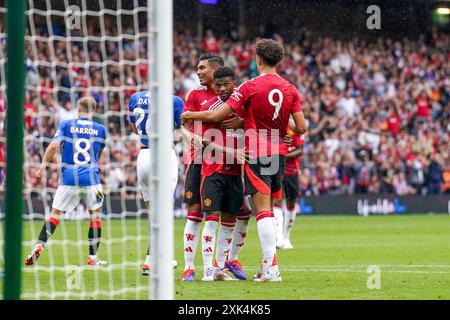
(268, 101)
(221, 187)
(290, 193)
(195, 99)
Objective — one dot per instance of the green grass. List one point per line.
(329, 261)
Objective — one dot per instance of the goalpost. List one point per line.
(106, 49)
(161, 231)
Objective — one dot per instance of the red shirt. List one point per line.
(29, 109)
(210, 45)
(268, 100)
(195, 99)
(423, 107)
(293, 165)
(394, 123)
(212, 131)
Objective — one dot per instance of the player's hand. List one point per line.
(234, 122)
(287, 140)
(242, 156)
(185, 117)
(196, 142)
(38, 176)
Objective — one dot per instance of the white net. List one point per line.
(74, 49)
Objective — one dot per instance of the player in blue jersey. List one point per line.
(140, 124)
(81, 142)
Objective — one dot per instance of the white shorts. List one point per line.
(143, 171)
(68, 197)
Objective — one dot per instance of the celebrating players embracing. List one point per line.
(268, 101)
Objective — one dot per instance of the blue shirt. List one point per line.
(139, 108)
(81, 141)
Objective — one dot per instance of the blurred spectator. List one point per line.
(401, 186)
(66, 112)
(434, 176)
(446, 180)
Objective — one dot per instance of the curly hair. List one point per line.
(270, 51)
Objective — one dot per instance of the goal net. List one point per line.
(74, 49)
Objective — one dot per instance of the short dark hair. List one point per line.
(270, 51)
(212, 58)
(223, 72)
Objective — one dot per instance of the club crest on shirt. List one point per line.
(207, 202)
(189, 195)
(236, 95)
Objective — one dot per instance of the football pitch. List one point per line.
(334, 257)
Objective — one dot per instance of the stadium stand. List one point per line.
(379, 112)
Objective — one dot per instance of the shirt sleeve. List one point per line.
(177, 110)
(191, 102)
(239, 96)
(131, 106)
(296, 104)
(60, 133)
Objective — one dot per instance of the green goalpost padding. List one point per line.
(14, 154)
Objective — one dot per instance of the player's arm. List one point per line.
(131, 105)
(299, 123)
(234, 122)
(100, 152)
(51, 150)
(240, 154)
(297, 114)
(186, 133)
(133, 128)
(102, 144)
(195, 140)
(48, 156)
(217, 115)
(178, 106)
(235, 102)
(297, 153)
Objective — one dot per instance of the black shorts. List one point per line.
(192, 180)
(265, 175)
(222, 192)
(290, 187)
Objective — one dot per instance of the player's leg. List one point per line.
(227, 223)
(93, 197)
(279, 223)
(258, 185)
(208, 243)
(240, 232)
(211, 194)
(174, 181)
(94, 236)
(232, 202)
(193, 221)
(291, 192)
(173, 184)
(47, 230)
(66, 198)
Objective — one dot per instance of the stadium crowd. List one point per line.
(378, 112)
